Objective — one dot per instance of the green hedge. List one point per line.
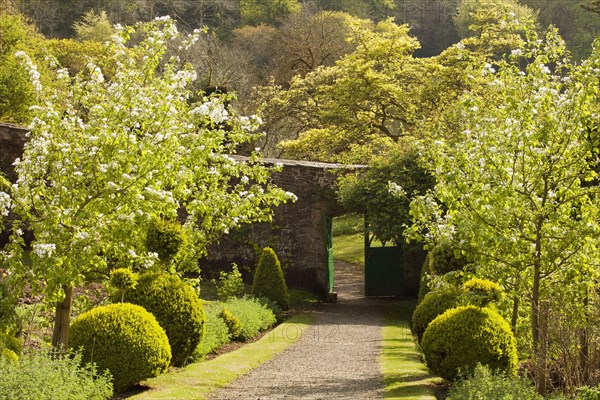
(124, 339)
(252, 314)
(216, 332)
(269, 281)
(41, 376)
(177, 309)
(434, 303)
(459, 339)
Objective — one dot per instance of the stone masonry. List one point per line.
(297, 233)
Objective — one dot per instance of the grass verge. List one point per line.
(196, 381)
(405, 376)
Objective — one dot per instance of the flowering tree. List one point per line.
(107, 155)
(519, 186)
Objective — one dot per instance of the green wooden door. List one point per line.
(327, 222)
(384, 272)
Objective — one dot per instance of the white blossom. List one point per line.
(5, 203)
(43, 250)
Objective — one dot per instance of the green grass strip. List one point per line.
(197, 380)
(404, 374)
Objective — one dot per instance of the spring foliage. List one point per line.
(124, 339)
(268, 279)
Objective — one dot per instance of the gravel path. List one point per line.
(336, 358)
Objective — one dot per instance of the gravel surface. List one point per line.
(336, 358)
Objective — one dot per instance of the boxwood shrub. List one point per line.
(124, 339)
(463, 337)
(177, 309)
(269, 281)
(434, 303)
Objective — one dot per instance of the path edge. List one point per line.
(196, 381)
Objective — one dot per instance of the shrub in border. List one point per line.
(124, 339)
(269, 281)
(434, 303)
(456, 341)
(177, 309)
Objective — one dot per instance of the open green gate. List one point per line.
(327, 222)
(384, 269)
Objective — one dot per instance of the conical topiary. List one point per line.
(268, 279)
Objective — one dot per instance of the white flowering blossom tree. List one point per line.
(108, 153)
(520, 186)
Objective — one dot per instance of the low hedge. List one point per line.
(252, 314)
(216, 333)
(246, 318)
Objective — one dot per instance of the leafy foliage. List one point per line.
(106, 157)
(518, 185)
(463, 337)
(269, 280)
(122, 280)
(255, 12)
(177, 309)
(230, 284)
(368, 192)
(434, 303)
(443, 258)
(124, 339)
(94, 26)
(487, 384)
(216, 333)
(588, 393)
(494, 27)
(252, 314)
(44, 376)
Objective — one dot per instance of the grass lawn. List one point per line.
(197, 380)
(349, 248)
(405, 376)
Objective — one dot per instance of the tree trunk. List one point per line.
(584, 342)
(62, 320)
(539, 359)
(515, 314)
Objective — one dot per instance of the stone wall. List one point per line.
(12, 140)
(297, 232)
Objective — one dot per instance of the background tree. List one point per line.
(368, 192)
(271, 12)
(370, 99)
(107, 156)
(94, 26)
